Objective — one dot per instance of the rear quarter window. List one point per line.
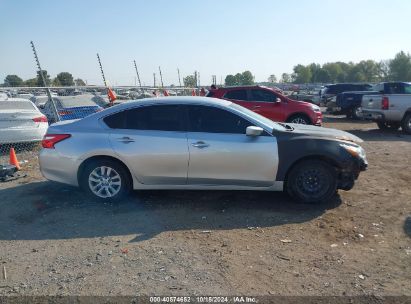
(115, 121)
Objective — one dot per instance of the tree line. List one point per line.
(62, 79)
(396, 69)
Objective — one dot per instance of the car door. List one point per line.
(264, 103)
(151, 141)
(222, 154)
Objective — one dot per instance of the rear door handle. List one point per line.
(200, 144)
(256, 107)
(125, 139)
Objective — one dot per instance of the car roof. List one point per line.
(177, 100)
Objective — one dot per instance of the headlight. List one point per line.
(315, 108)
(355, 151)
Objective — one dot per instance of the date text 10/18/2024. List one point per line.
(203, 299)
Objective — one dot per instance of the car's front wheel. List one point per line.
(312, 181)
(299, 119)
(106, 180)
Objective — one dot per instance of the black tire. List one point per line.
(356, 113)
(299, 119)
(392, 126)
(117, 169)
(312, 181)
(406, 124)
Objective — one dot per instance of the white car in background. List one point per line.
(21, 121)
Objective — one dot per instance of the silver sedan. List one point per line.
(198, 143)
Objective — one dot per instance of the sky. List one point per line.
(213, 37)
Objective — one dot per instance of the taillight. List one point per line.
(50, 140)
(65, 112)
(385, 103)
(40, 119)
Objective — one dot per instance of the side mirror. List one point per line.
(254, 131)
(278, 100)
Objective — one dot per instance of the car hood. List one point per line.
(324, 132)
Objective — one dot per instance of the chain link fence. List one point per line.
(26, 113)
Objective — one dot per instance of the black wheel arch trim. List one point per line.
(294, 149)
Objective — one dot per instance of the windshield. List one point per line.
(254, 116)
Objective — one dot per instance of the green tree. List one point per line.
(302, 74)
(285, 78)
(272, 78)
(400, 67)
(79, 82)
(56, 82)
(39, 82)
(323, 76)
(334, 70)
(13, 81)
(32, 82)
(315, 69)
(369, 70)
(230, 80)
(247, 78)
(189, 81)
(65, 79)
(383, 70)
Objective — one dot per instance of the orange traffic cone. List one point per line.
(193, 93)
(111, 95)
(13, 159)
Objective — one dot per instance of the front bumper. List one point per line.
(351, 172)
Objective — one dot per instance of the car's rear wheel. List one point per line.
(393, 126)
(406, 124)
(299, 119)
(312, 181)
(106, 180)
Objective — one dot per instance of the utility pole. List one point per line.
(45, 84)
(161, 77)
(101, 69)
(179, 79)
(138, 75)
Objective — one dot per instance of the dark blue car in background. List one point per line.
(75, 107)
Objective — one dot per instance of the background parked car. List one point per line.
(21, 121)
(75, 107)
(391, 108)
(271, 104)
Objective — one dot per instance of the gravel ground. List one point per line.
(56, 241)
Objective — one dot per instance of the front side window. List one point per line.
(236, 95)
(157, 117)
(263, 95)
(215, 120)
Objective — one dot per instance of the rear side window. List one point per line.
(407, 88)
(236, 95)
(263, 95)
(395, 88)
(159, 117)
(116, 121)
(215, 120)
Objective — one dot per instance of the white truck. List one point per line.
(391, 108)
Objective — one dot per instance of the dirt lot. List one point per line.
(54, 241)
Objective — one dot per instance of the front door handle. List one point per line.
(200, 144)
(126, 139)
(256, 107)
